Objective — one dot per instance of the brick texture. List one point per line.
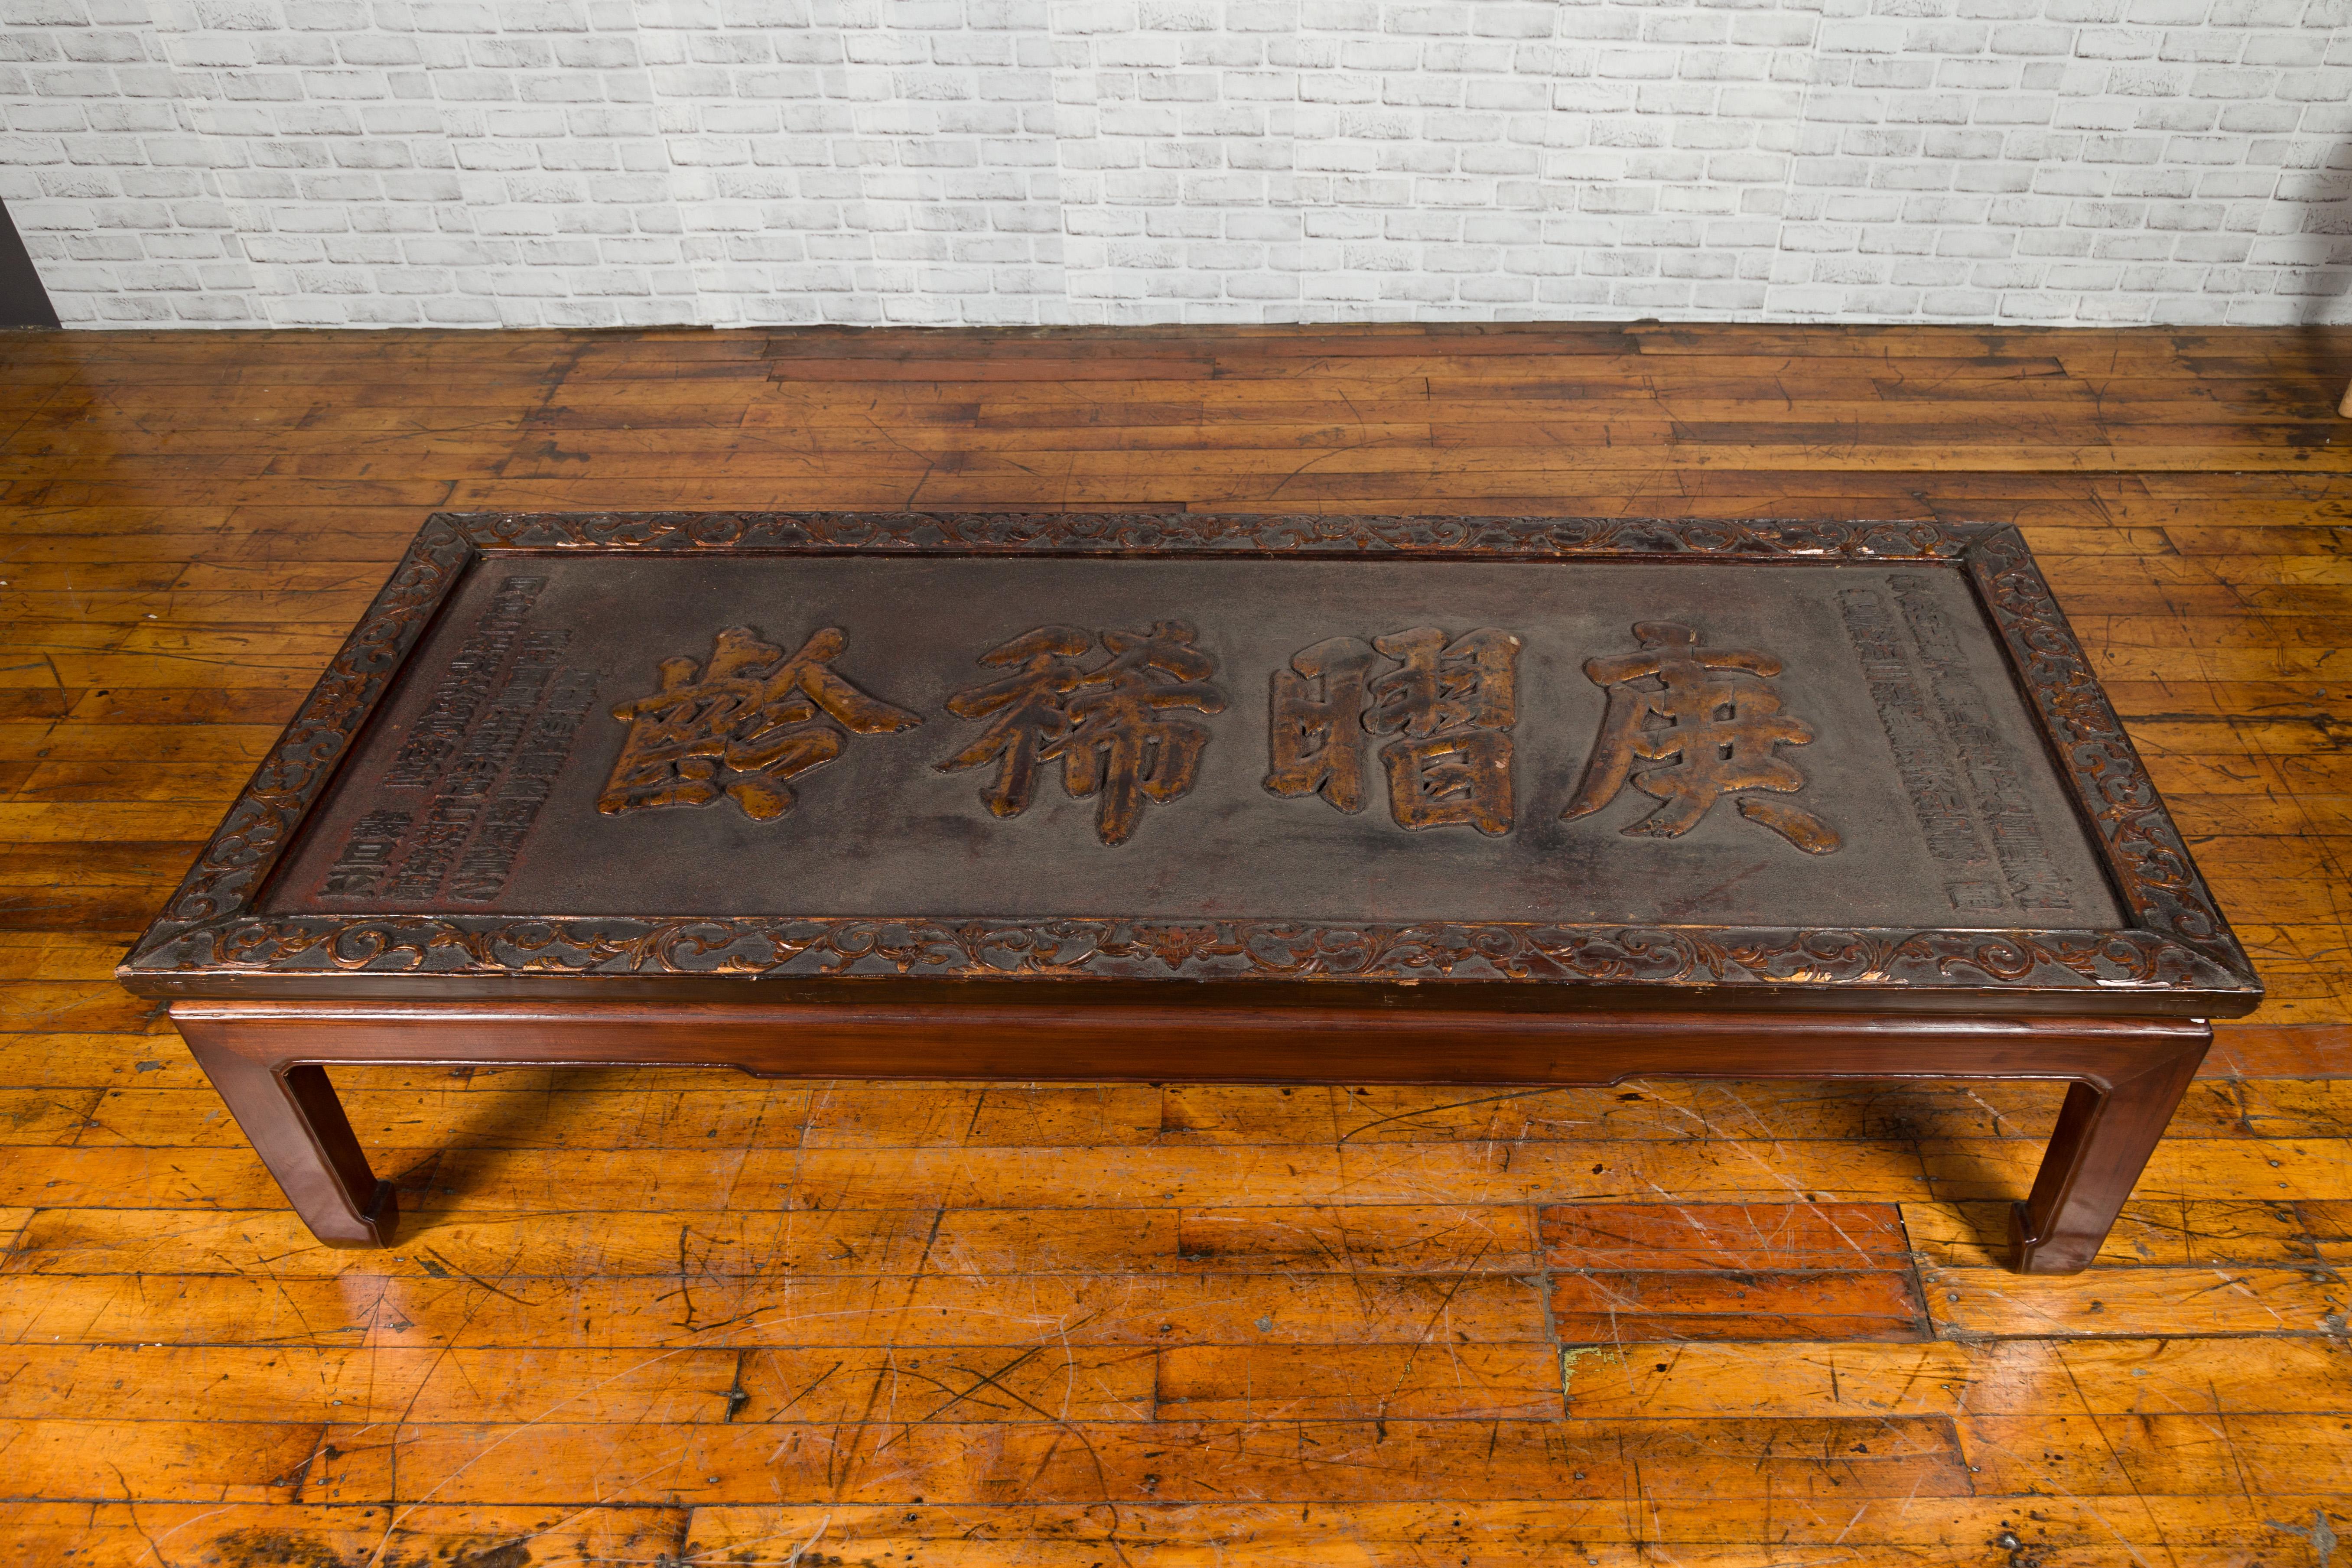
(594, 162)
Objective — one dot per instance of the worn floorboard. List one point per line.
(642, 1317)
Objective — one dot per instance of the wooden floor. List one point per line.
(683, 1318)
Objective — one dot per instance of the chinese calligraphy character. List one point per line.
(1711, 722)
(1451, 708)
(1318, 714)
(1029, 707)
(367, 855)
(1111, 727)
(740, 727)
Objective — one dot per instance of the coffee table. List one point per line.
(1161, 797)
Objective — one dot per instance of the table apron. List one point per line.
(1161, 1044)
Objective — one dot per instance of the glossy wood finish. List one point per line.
(2124, 1077)
(682, 1312)
(1316, 918)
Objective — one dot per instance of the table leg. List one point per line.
(2105, 1135)
(297, 1127)
(2126, 1075)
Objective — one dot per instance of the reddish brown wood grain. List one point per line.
(1193, 1287)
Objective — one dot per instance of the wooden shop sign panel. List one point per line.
(1571, 769)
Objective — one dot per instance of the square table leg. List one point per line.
(2103, 1138)
(296, 1124)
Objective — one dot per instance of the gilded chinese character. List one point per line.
(1318, 743)
(740, 727)
(1111, 727)
(1450, 707)
(1710, 721)
(1029, 710)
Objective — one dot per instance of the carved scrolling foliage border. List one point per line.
(208, 927)
(1077, 532)
(260, 825)
(461, 946)
(2151, 864)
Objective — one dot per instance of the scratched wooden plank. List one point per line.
(2304, 1052)
(1325, 1382)
(2132, 1455)
(71, 1007)
(118, 1534)
(2194, 1532)
(2153, 1229)
(740, 1246)
(1370, 1238)
(1152, 1461)
(689, 1308)
(114, 737)
(2058, 1531)
(436, 1179)
(1439, 1238)
(2006, 1377)
(2287, 1168)
(44, 1061)
(2136, 1301)
(1626, 1307)
(1735, 1238)
(117, 780)
(170, 1461)
(682, 1386)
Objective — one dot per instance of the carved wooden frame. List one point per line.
(2176, 957)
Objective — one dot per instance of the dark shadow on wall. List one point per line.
(22, 301)
(2324, 272)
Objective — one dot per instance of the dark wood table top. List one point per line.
(1435, 762)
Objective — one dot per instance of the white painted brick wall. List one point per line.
(591, 163)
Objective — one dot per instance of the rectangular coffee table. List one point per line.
(1344, 800)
